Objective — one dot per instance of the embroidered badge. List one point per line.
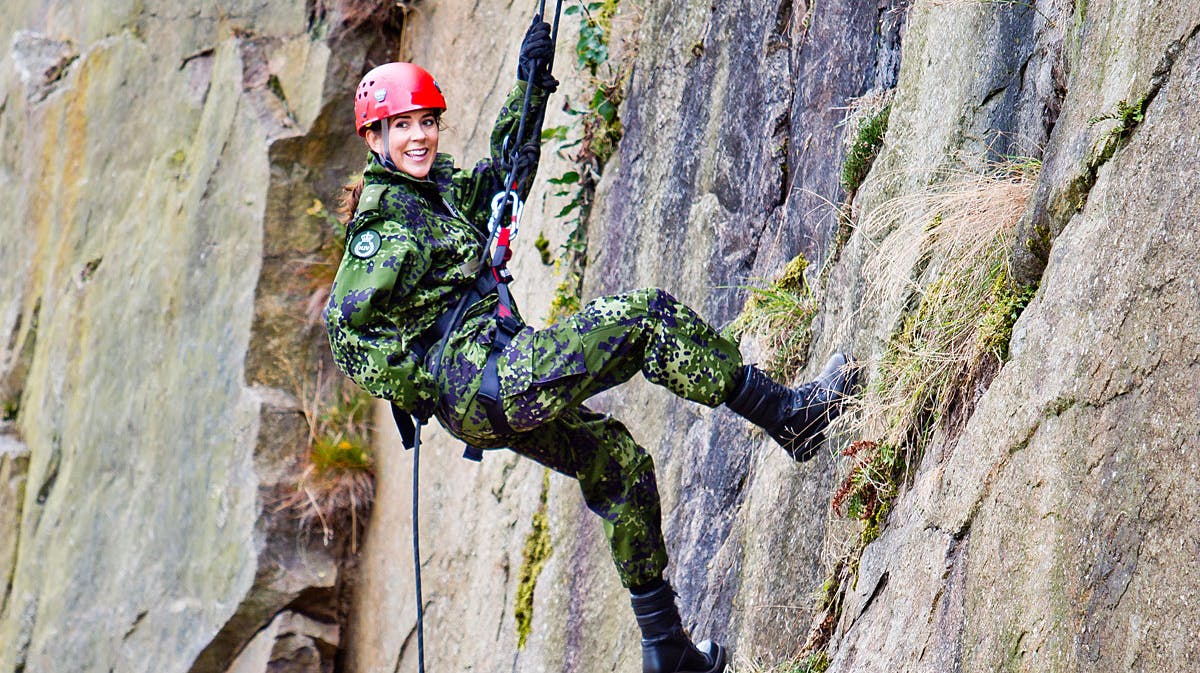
(365, 244)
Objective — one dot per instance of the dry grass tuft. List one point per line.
(812, 662)
(335, 481)
(944, 251)
(942, 260)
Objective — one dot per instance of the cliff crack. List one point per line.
(137, 621)
(875, 591)
(780, 36)
(408, 638)
(41, 62)
(51, 473)
(1129, 116)
(990, 479)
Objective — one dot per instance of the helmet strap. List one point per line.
(386, 157)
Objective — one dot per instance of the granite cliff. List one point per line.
(1011, 495)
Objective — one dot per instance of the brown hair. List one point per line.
(348, 204)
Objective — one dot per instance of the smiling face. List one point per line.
(412, 140)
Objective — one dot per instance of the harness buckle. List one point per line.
(508, 325)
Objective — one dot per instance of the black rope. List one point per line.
(537, 126)
(417, 551)
(514, 151)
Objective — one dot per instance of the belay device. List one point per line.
(493, 277)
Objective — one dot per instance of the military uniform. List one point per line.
(413, 251)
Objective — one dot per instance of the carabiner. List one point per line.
(515, 210)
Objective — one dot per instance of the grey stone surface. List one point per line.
(159, 162)
(1038, 539)
(140, 532)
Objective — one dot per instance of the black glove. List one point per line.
(537, 50)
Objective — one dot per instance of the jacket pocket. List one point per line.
(539, 358)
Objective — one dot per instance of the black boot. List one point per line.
(666, 647)
(796, 418)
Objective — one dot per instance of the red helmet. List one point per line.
(392, 89)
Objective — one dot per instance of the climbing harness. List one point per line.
(493, 276)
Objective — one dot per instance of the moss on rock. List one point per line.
(537, 550)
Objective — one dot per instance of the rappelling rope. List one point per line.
(416, 477)
(513, 203)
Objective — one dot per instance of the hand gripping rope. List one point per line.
(494, 275)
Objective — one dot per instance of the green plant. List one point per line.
(565, 302)
(871, 485)
(591, 49)
(572, 259)
(862, 150)
(542, 245)
(810, 662)
(816, 662)
(1127, 117)
(10, 408)
(598, 128)
(1007, 303)
(780, 313)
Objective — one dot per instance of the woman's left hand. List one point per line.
(537, 50)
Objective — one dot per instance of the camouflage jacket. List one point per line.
(411, 251)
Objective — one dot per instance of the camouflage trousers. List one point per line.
(547, 374)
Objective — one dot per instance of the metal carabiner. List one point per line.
(518, 207)
(514, 220)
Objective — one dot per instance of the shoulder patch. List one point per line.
(365, 244)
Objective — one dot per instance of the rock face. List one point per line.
(158, 159)
(162, 164)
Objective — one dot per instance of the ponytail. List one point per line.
(348, 204)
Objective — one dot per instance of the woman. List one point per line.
(412, 253)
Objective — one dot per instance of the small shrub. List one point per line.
(599, 131)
